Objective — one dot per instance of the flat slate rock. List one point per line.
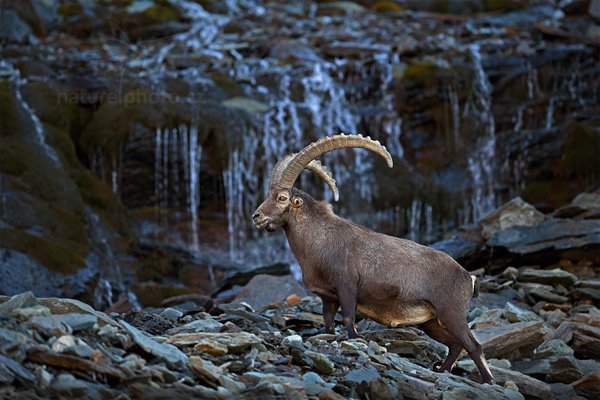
(503, 341)
(552, 238)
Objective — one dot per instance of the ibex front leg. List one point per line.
(329, 310)
(347, 298)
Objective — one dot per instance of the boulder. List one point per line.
(547, 242)
(516, 212)
(550, 277)
(510, 341)
(263, 290)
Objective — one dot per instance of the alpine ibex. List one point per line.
(390, 280)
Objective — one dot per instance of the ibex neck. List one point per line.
(308, 232)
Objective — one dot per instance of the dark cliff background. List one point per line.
(136, 137)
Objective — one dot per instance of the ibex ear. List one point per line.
(297, 202)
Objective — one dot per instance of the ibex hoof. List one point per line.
(437, 367)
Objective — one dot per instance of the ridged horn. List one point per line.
(293, 168)
(319, 169)
(313, 166)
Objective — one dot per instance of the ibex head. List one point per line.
(282, 199)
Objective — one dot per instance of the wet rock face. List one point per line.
(184, 130)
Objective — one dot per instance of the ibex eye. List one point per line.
(282, 198)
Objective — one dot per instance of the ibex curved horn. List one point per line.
(313, 166)
(290, 170)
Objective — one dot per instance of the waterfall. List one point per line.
(481, 162)
(454, 116)
(15, 77)
(177, 156)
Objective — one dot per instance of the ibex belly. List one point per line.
(402, 313)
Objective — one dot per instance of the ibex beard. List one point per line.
(393, 281)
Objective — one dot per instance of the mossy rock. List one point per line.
(339, 8)
(425, 73)
(111, 124)
(396, 187)
(505, 5)
(229, 86)
(152, 294)
(93, 191)
(50, 104)
(49, 254)
(11, 160)
(23, 211)
(581, 155)
(387, 7)
(160, 11)
(38, 174)
(70, 9)
(154, 267)
(13, 118)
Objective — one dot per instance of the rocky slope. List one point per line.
(540, 330)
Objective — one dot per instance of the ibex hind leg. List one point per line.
(438, 332)
(456, 324)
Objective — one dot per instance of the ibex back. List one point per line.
(390, 280)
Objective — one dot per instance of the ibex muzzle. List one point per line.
(390, 280)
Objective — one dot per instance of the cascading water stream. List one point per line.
(15, 76)
(481, 162)
(177, 156)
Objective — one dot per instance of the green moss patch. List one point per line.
(12, 116)
(581, 155)
(49, 254)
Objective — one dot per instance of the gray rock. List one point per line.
(12, 27)
(419, 382)
(459, 249)
(384, 389)
(165, 351)
(538, 369)
(587, 293)
(22, 300)
(78, 321)
(6, 375)
(504, 341)
(314, 384)
(236, 342)
(584, 205)
(205, 369)
(293, 50)
(322, 363)
(365, 374)
(16, 369)
(552, 348)
(513, 314)
(547, 294)
(263, 290)
(28, 312)
(549, 240)
(516, 212)
(68, 387)
(565, 370)
(292, 339)
(594, 9)
(200, 325)
(551, 277)
(171, 314)
(68, 306)
(231, 384)
(72, 345)
(50, 326)
(528, 16)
